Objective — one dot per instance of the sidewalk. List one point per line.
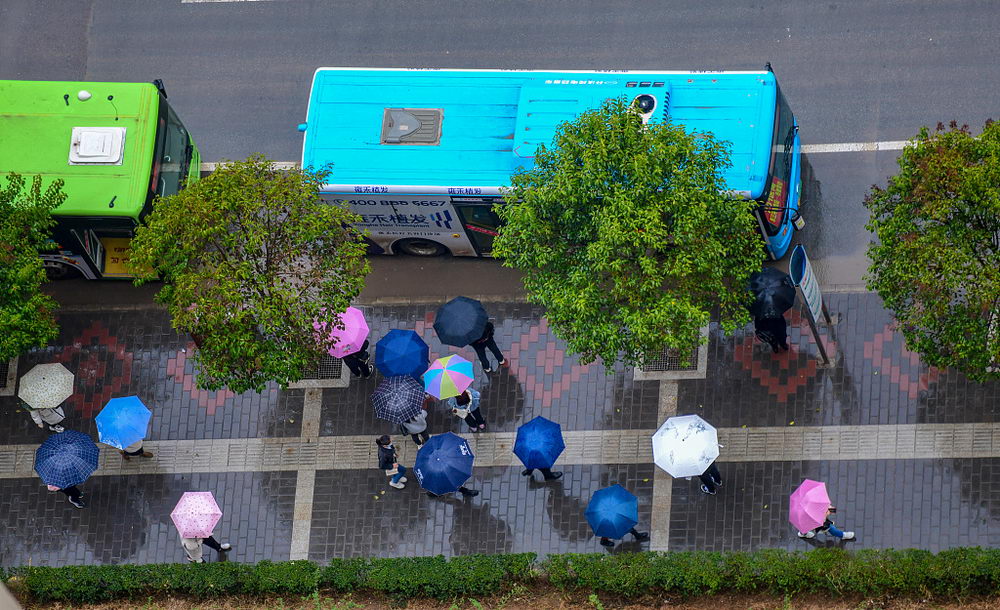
(295, 475)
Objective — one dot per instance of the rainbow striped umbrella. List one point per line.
(448, 376)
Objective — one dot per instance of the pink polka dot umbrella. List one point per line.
(196, 514)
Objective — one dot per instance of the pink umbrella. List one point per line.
(196, 514)
(349, 339)
(808, 504)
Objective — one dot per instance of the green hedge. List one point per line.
(834, 572)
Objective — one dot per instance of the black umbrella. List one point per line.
(460, 321)
(773, 292)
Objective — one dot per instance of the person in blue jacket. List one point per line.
(466, 406)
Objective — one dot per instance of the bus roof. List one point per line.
(38, 121)
(469, 130)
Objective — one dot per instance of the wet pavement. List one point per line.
(310, 505)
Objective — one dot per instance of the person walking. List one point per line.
(773, 331)
(73, 494)
(637, 535)
(465, 491)
(135, 450)
(194, 551)
(546, 472)
(488, 342)
(466, 406)
(360, 362)
(828, 528)
(52, 417)
(710, 480)
(416, 427)
(389, 462)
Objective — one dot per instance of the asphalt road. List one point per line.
(239, 72)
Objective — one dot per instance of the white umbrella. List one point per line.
(45, 386)
(685, 446)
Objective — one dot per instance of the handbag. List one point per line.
(463, 413)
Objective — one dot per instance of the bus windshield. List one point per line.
(172, 154)
(774, 201)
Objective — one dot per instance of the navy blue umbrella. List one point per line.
(398, 399)
(460, 321)
(66, 459)
(612, 512)
(401, 352)
(443, 463)
(539, 443)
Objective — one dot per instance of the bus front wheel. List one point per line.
(59, 271)
(421, 247)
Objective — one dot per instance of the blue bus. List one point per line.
(423, 154)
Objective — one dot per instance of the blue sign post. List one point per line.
(808, 286)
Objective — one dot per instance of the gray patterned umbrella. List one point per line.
(398, 399)
(45, 386)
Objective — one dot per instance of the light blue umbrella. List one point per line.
(122, 422)
(612, 512)
(539, 443)
(66, 459)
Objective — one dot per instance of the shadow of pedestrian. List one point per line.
(475, 530)
(565, 511)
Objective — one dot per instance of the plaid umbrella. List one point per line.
(398, 399)
(66, 459)
(460, 321)
(448, 376)
(45, 386)
(196, 514)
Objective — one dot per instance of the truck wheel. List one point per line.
(59, 271)
(421, 247)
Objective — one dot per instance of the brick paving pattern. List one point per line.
(908, 451)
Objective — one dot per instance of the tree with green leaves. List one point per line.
(250, 257)
(27, 315)
(624, 235)
(936, 261)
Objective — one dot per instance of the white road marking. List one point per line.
(202, 1)
(806, 148)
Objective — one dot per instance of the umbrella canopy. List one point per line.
(401, 352)
(685, 446)
(196, 514)
(443, 463)
(808, 504)
(460, 321)
(122, 422)
(351, 337)
(773, 291)
(612, 512)
(398, 399)
(66, 459)
(45, 386)
(448, 376)
(539, 443)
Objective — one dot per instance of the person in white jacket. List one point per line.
(194, 550)
(135, 450)
(52, 417)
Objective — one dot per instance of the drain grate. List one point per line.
(672, 360)
(4, 371)
(328, 368)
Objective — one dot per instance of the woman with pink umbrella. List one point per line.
(809, 510)
(195, 516)
(349, 336)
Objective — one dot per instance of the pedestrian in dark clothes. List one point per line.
(487, 342)
(546, 472)
(389, 462)
(416, 427)
(828, 528)
(73, 494)
(773, 331)
(360, 362)
(466, 406)
(710, 479)
(465, 491)
(639, 537)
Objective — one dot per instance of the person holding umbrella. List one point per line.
(809, 510)
(612, 513)
(66, 460)
(687, 446)
(400, 400)
(538, 444)
(466, 407)
(443, 465)
(195, 516)
(350, 343)
(774, 294)
(122, 424)
(43, 389)
(359, 362)
(488, 342)
(463, 321)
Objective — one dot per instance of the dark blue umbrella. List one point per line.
(66, 459)
(460, 321)
(773, 292)
(539, 443)
(612, 512)
(443, 463)
(401, 352)
(122, 422)
(398, 399)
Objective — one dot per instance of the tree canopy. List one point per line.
(625, 237)
(936, 261)
(27, 315)
(250, 257)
